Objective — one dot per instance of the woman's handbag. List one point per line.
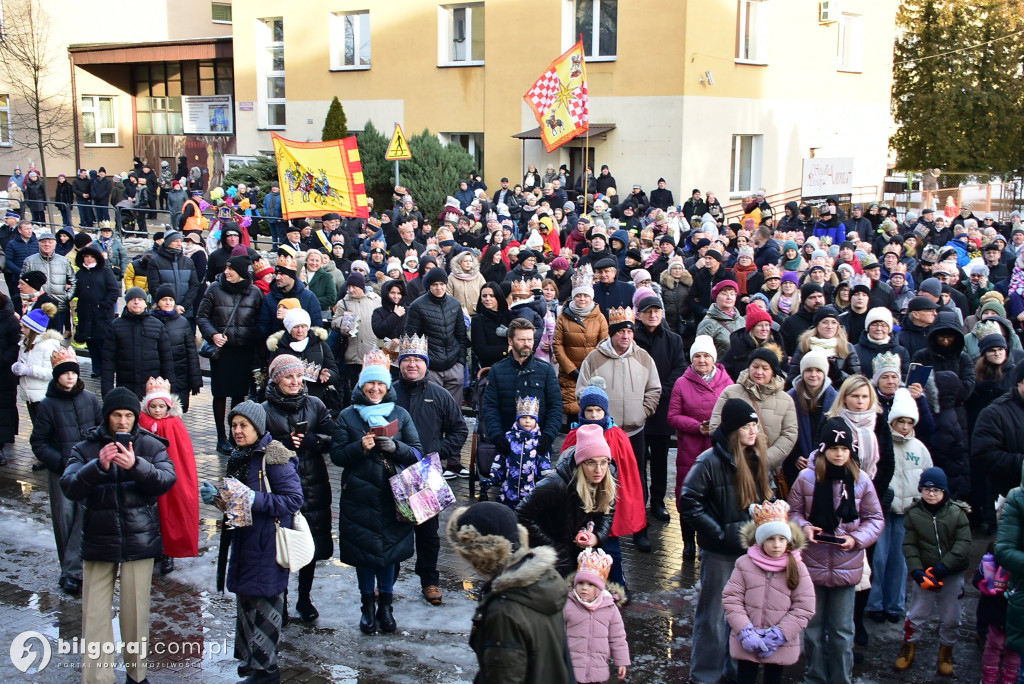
(209, 349)
(295, 546)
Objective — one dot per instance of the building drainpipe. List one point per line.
(74, 114)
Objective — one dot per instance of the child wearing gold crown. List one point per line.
(769, 599)
(593, 625)
(179, 508)
(518, 473)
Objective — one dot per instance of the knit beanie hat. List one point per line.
(435, 275)
(289, 303)
(82, 240)
(827, 311)
(768, 355)
(933, 477)
(641, 294)
(240, 264)
(705, 344)
(285, 364)
(593, 565)
(987, 306)
(722, 285)
(594, 394)
(755, 316)
(590, 443)
(735, 414)
(296, 317)
(879, 313)
(903, 406)
(252, 412)
(172, 236)
(376, 366)
(792, 277)
(239, 250)
(64, 359)
(771, 518)
(35, 279)
(1019, 375)
(560, 264)
(165, 290)
(835, 433)
(356, 279)
(816, 358)
(993, 341)
(808, 289)
(134, 293)
(640, 275)
(120, 399)
(36, 320)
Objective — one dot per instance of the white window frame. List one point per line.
(8, 139)
(850, 43)
(446, 33)
(760, 11)
(471, 142)
(756, 142)
(94, 108)
(595, 31)
(265, 46)
(221, 4)
(337, 29)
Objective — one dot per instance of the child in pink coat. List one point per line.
(769, 598)
(593, 625)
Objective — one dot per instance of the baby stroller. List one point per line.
(124, 215)
(483, 452)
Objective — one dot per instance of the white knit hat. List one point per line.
(706, 344)
(816, 358)
(879, 313)
(903, 406)
(295, 317)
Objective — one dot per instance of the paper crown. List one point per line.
(534, 283)
(647, 234)
(286, 261)
(63, 355)
(311, 371)
(158, 386)
(413, 345)
(860, 279)
(771, 271)
(375, 222)
(594, 562)
(621, 314)
(528, 406)
(520, 287)
(886, 361)
(377, 357)
(583, 277)
(898, 268)
(769, 512)
(378, 244)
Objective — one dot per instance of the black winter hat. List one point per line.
(833, 433)
(993, 341)
(809, 288)
(82, 240)
(35, 279)
(492, 518)
(824, 312)
(735, 414)
(120, 398)
(767, 355)
(165, 290)
(435, 275)
(240, 264)
(933, 477)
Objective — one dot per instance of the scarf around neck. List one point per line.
(375, 415)
(584, 311)
(769, 564)
(865, 442)
(828, 346)
(824, 513)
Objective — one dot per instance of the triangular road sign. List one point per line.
(398, 148)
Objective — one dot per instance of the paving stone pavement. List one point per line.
(192, 625)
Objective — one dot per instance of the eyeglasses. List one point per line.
(593, 465)
(930, 490)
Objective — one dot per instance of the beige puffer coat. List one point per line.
(466, 289)
(364, 341)
(574, 339)
(777, 411)
(631, 380)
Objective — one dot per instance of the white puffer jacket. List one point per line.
(912, 458)
(32, 386)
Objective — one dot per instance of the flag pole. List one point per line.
(586, 144)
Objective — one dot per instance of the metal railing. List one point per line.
(862, 194)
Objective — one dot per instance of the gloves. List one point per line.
(311, 440)
(502, 331)
(196, 391)
(544, 444)
(385, 444)
(207, 492)
(574, 375)
(20, 367)
(750, 640)
(773, 638)
(938, 571)
(502, 446)
(928, 580)
(918, 576)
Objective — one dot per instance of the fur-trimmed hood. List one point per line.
(274, 341)
(489, 554)
(277, 454)
(48, 335)
(528, 566)
(668, 282)
(616, 590)
(174, 410)
(748, 530)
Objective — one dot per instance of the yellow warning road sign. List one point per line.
(398, 148)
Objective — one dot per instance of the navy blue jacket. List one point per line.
(269, 323)
(508, 381)
(607, 297)
(17, 251)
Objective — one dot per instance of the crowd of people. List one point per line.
(846, 393)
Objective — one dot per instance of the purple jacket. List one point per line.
(828, 565)
(691, 402)
(594, 636)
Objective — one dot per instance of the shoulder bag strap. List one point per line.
(231, 319)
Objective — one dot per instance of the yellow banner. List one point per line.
(559, 99)
(320, 177)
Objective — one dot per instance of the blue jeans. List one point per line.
(379, 578)
(828, 639)
(710, 659)
(889, 571)
(275, 232)
(617, 573)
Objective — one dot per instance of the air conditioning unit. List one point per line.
(829, 11)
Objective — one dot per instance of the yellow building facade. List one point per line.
(728, 95)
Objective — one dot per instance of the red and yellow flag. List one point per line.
(559, 99)
(319, 177)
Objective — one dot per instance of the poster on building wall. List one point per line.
(827, 176)
(208, 114)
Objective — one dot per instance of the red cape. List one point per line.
(179, 507)
(630, 511)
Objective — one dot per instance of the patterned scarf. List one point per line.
(865, 443)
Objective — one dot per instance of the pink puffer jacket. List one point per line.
(829, 565)
(754, 595)
(594, 636)
(691, 403)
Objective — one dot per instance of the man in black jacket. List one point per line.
(997, 445)
(82, 187)
(442, 429)
(812, 298)
(438, 316)
(662, 196)
(119, 471)
(101, 189)
(137, 349)
(170, 266)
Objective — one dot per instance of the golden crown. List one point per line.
(534, 283)
(413, 345)
(377, 357)
(595, 562)
(287, 261)
(583, 276)
(158, 386)
(647, 234)
(378, 244)
(771, 271)
(63, 355)
(770, 511)
(520, 287)
(621, 314)
(375, 222)
(528, 406)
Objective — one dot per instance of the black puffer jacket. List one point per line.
(63, 419)
(187, 374)
(867, 349)
(997, 445)
(176, 270)
(122, 523)
(215, 310)
(441, 320)
(948, 445)
(137, 349)
(434, 414)
(97, 291)
(553, 514)
(740, 345)
(283, 414)
(709, 503)
(369, 533)
(676, 296)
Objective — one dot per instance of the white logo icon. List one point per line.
(23, 655)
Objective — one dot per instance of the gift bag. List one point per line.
(421, 491)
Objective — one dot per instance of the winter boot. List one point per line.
(385, 614)
(946, 661)
(906, 657)
(367, 622)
